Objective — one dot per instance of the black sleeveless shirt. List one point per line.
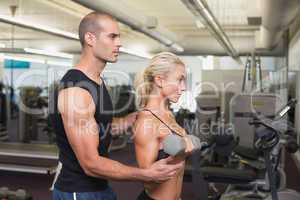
(72, 177)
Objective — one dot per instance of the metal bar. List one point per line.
(28, 169)
(29, 154)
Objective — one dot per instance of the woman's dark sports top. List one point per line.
(161, 153)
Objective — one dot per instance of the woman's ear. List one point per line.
(158, 81)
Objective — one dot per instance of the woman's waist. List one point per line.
(172, 187)
(166, 191)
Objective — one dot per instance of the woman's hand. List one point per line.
(189, 145)
(193, 143)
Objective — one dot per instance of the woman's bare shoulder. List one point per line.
(146, 120)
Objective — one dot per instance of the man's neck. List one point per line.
(91, 66)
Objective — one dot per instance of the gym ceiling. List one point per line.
(153, 26)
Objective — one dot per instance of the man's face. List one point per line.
(107, 42)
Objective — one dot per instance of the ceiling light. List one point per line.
(38, 27)
(138, 53)
(59, 63)
(48, 53)
(69, 35)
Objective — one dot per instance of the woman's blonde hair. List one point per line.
(160, 64)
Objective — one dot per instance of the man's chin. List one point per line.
(113, 60)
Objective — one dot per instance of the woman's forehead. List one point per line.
(176, 71)
(179, 69)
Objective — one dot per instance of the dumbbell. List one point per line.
(175, 145)
(3, 192)
(21, 194)
(10, 195)
(17, 195)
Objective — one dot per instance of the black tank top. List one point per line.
(72, 177)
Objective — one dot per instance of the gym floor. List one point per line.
(38, 185)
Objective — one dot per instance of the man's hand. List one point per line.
(121, 124)
(130, 118)
(162, 170)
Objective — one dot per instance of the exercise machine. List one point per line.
(244, 107)
(271, 139)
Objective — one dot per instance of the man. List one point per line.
(83, 121)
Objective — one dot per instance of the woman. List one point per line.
(162, 82)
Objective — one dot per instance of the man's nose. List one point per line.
(118, 42)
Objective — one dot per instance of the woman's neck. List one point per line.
(157, 103)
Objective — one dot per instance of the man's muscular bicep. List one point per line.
(77, 110)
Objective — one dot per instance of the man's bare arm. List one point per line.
(121, 124)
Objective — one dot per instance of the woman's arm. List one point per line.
(146, 141)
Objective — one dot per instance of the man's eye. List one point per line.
(114, 36)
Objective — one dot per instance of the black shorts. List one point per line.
(144, 196)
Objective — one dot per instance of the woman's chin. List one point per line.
(175, 100)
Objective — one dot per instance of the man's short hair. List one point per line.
(91, 23)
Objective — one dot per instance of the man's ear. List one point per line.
(89, 38)
(158, 81)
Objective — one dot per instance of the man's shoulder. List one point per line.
(70, 75)
(75, 93)
(75, 98)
